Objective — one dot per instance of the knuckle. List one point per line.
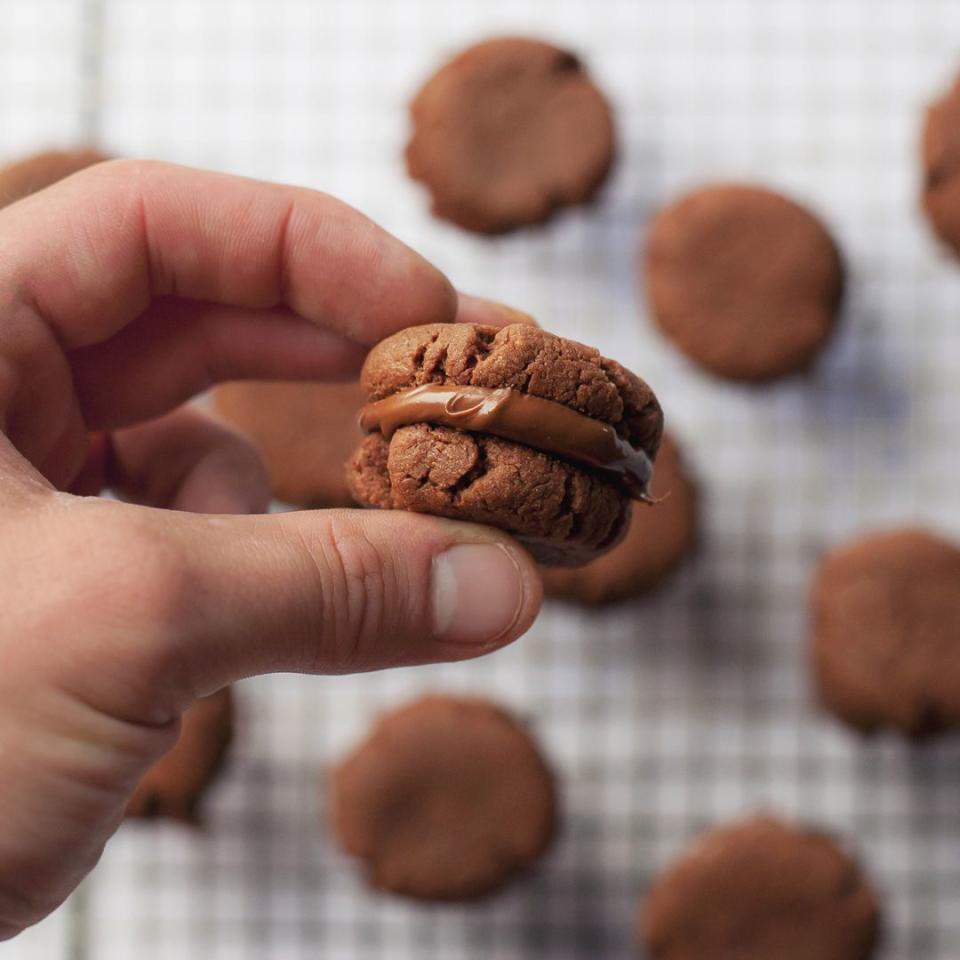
(358, 594)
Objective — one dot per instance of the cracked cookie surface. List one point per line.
(565, 513)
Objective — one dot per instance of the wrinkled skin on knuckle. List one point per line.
(362, 597)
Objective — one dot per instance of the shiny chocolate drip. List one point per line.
(532, 421)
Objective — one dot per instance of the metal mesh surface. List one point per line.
(663, 717)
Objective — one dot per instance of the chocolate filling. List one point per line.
(532, 421)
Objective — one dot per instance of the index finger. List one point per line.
(90, 253)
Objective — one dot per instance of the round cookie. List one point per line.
(744, 281)
(886, 632)
(33, 173)
(304, 431)
(448, 798)
(940, 151)
(759, 890)
(507, 132)
(174, 785)
(473, 465)
(660, 536)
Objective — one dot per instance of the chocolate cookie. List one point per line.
(661, 534)
(886, 632)
(447, 799)
(174, 785)
(744, 281)
(33, 173)
(516, 428)
(941, 166)
(761, 890)
(507, 132)
(304, 431)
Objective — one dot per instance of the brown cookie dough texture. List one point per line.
(507, 132)
(175, 784)
(761, 890)
(304, 432)
(744, 281)
(660, 536)
(33, 173)
(941, 166)
(565, 513)
(447, 799)
(886, 632)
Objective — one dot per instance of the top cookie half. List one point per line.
(565, 509)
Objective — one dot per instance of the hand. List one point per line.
(124, 291)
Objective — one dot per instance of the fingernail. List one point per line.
(478, 593)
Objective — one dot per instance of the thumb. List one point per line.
(343, 591)
(211, 599)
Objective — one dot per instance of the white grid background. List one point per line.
(660, 718)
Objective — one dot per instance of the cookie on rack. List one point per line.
(940, 153)
(174, 786)
(304, 432)
(661, 535)
(757, 890)
(507, 132)
(39, 170)
(886, 632)
(514, 427)
(448, 798)
(743, 281)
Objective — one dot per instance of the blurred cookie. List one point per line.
(886, 632)
(744, 281)
(761, 890)
(175, 784)
(507, 132)
(660, 536)
(941, 166)
(33, 173)
(513, 427)
(447, 799)
(305, 433)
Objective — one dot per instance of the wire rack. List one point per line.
(660, 718)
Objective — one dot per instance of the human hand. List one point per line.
(124, 291)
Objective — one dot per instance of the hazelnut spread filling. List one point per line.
(511, 415)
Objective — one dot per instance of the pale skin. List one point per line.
(125, 291)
